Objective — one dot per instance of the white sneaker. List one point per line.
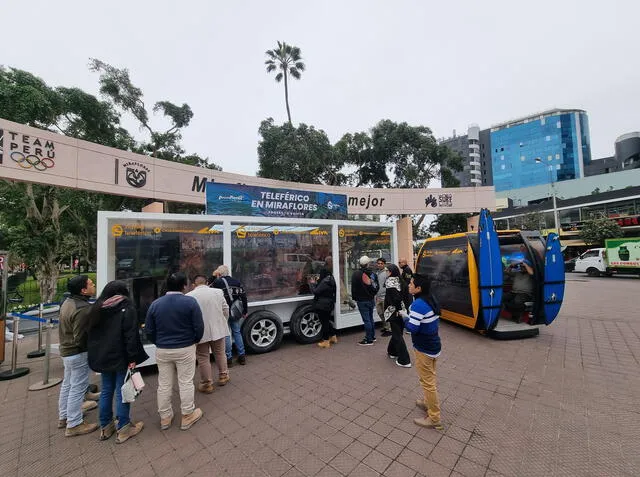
(392, 356)
(408, 365)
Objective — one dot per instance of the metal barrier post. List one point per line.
(14, 372)
(46, 382)
(40, 351)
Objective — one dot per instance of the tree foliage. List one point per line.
(595, 231)
(285, 60)
(45, 225)
(397, 155)
(303, 154)
(36, 219)
(533, 221)
(446, 224)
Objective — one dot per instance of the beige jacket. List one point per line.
(215, 312)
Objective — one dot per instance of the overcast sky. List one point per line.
(443, 64)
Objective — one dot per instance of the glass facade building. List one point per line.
(547, 147)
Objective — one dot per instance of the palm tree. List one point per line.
(287, 59)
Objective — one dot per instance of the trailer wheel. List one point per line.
(305, 325)
(262, 332)
(593, 272)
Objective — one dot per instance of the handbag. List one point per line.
(236, 310)
(132, 387)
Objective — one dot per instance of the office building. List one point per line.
(627, 156)
(468, 147)
(551, 146)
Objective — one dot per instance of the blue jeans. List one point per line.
(73, 388)
(237, 339)
(366, 311)
(112, 385)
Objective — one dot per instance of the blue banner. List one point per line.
(235, 199)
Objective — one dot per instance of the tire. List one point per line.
(305, 325)
(262, 332)
(593, 272)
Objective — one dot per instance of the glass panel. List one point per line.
(146, 252)
(275, 261)
(356, 241)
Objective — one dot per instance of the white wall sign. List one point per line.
(34, 155)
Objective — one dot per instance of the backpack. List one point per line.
(236, 309)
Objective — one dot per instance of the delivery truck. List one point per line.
(620, 255)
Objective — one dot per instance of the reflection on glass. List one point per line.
(145, 254)
(275, 261)
(356, 241)
(446, 263)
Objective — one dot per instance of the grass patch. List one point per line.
(30, 291)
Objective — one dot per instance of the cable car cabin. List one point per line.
(503, 283)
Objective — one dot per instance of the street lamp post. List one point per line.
(553, 195)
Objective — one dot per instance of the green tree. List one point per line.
(285, 58)
(596, 230)
(398, 155)
(116, 85)
(303, 154)
(446, 224)
(35, 217)
(533, 221)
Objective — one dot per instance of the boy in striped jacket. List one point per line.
(422, 321)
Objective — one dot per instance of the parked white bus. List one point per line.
(273, 258)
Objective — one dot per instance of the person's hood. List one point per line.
(115, 300)
(392, 282)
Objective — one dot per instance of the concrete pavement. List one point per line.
(564, 403)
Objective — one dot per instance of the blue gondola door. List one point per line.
(490, 271)
(553, 288)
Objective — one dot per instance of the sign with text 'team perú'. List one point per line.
(34, 155)
(236, 199)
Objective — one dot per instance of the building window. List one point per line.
(522, 158)
(549, 158)
(559, 125)
(558, 157)
(502, 167)
(558, 167)
(502, 157)
(548, 138)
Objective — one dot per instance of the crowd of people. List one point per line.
(402, 300)
(186, 324)
(193, 320)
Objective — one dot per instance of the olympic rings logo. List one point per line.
(27, 162)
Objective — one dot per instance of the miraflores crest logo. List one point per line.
(28, 152)
(136, 174)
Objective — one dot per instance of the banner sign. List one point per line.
(623, 252)
(236, 199)
(34, 155)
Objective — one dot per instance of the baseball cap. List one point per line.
(364, 260)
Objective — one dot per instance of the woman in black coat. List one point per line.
(393, 303)
(114, 346)
(324, 302)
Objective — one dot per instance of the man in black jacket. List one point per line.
(324, 302)
(405, 277)
(232, 290)
(363, 291)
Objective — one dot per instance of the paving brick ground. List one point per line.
(564, 403)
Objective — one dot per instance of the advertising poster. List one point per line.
(252, 201)
(624, 252)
